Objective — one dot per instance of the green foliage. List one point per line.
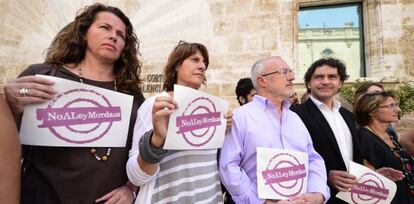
(404, 91)
(406, 97)
(347, 92)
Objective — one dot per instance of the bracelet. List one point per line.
(148, 152)
(131, 190)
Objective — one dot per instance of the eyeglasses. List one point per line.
(382, 94)
(391, 106)
(283, 72)
(379, 93)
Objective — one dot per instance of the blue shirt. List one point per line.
(257, 124)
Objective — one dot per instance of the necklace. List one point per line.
(387, 139)
(93, 150)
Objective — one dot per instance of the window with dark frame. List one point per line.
(331, 31)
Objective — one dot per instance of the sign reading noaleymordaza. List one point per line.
(371, 187)
(79, 115)
(199, 121)
(281, 173)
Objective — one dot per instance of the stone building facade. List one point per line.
(343, 43)
(236, 32)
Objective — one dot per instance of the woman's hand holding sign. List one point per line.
(163, 107)
(390, 173)
(27, 90)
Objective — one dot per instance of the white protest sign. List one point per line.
(80, 115)
(371, 187)
(199, 121)
(281, 173)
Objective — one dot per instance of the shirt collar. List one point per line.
(264, 102)
(319, 104)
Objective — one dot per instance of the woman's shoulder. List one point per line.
(40, 68)
(146, 106)
(365, 134)
(363, 131)
(148, 103)
(366, 137)
(139, 98)
(369, 140)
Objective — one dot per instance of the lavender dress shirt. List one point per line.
(256, 125)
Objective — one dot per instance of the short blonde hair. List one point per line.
(367, 103)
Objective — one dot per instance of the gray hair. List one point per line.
(257, 69)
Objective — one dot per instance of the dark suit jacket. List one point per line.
(324, 140)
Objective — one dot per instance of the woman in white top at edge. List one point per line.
(173, 176)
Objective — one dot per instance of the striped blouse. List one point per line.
(183, 176)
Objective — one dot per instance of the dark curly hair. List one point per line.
(243, 88)
(181, 52)
(69, 46)
(332, 62)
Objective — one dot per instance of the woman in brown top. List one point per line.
(98, 48)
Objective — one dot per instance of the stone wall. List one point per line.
(236, 32)
(343, 43)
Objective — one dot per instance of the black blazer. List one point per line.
(324, 140)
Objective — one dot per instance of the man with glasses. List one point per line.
(268, 122)
(331, 126)
(244, 92)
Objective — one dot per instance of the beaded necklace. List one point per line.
(406, 160)
(93, 150)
